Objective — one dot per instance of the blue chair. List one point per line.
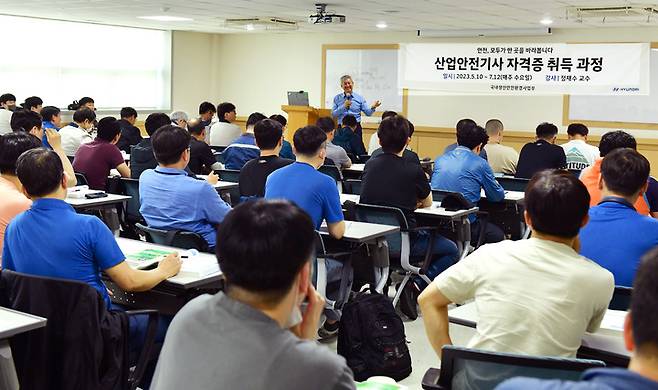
(176, 238)
(465, 368)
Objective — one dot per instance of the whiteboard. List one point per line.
(632, 109)
(375, 75)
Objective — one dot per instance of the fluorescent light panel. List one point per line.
(503, 32)
(166, 18)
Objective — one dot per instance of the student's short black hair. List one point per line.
(279, 118)
(108, 128)
(49, 112)
(644, 301)
(85, 100)
(24, 120)
(169, 142)
(616, 139)
(262, 245)
(268, 133)
(155, 121)
(388, 114)
(349, 121)
(463, 123)
(255, 118)
(224, 108)
(195, 127)
(546, 130)
(40, 171)
(577, 128)
(557, 203)
(625, 171)
(207, 107)
(326, 123)
(471, 136)
(5, 97)
(128, 112)
(308, 140)
(411, 128)
(32, 101)
(12, 145)
(83, 113)
(393, 133)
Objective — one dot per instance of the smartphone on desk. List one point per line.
(96, 195)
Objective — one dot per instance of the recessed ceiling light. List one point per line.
(166, 18)
(250, 27)
(381, 25)
(546, 21)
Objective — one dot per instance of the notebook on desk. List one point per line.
(193, 265)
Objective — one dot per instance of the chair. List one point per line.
(219, 157)
(363, 158)
(82, 338)
(352, 186)
(575, 172)
(340, 290)
(439, 195)
(232, 175)
(176, 238)
(399, 243)
(464, 368)
(81, 178)
(130, 187)
(513, 183)
(333, 172)
(621, 298)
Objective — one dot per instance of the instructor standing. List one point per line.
(350, 103)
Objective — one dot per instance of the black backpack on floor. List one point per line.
(371, 338)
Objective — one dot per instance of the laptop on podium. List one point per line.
(297, 98)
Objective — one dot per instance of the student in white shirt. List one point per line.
(224, 132)
(501, 158)
(580, 155)
(374, 139)
(7, 106)
(535, 296)
(78, 132)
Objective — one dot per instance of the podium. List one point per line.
(300, 116)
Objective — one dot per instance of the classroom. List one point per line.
(430, 194)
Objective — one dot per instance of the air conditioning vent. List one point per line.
(627, 13)
(271, 24)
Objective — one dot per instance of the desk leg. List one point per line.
(8, 378)
(526, 231)
(381, 276)
(464, 249)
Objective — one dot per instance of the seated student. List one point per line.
(346, 136)
(33, 103)
(501, 158)
(640, 338)
(97, 158)
(390, 180)
(202, 159)
(374, 140)
(141, 155)
(170, 199)
(254, 335)
(315, 193)
(580, 154)
(50, 119)
(130, 134)
(541, 154)
(286, 147)
(78, 132)
(12, 145)
(7, 106)
(617, 236)
(407, 154)
(591, 176)
(224, 131)
(71, 245)
(335, 153)
(207, 112)
(461, 124)
(462, 170)
(243, 148)
(180, 119)
(87, 102)
(269, 134)
(536, 296)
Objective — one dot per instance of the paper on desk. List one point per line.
(199, 267)
(614, 320)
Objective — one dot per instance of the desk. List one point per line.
(606, 344)
(169, 296)
(507, 214)
(13, 322)
(513, 197)
(355, 168)
(84, 203)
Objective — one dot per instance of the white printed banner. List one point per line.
(526, 69)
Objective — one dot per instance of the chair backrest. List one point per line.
(513, 183)
(575, 172)
(232, 175)
(384, 216)
(130, 187)
(81, 178)
(332, 171)
(219, 157)
(176, 238)
(621, 298)
(363, 158)
(439, 195)
(352, 186)
(464, 368)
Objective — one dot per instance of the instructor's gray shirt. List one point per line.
(216, 342)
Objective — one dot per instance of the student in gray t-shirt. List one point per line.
(254, 335)
(334, 152)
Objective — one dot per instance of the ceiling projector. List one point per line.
(324, 17)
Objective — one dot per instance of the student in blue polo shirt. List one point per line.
(243, 148)
(52, 240)
(617, 236)
(50, 119)
(170, 199)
